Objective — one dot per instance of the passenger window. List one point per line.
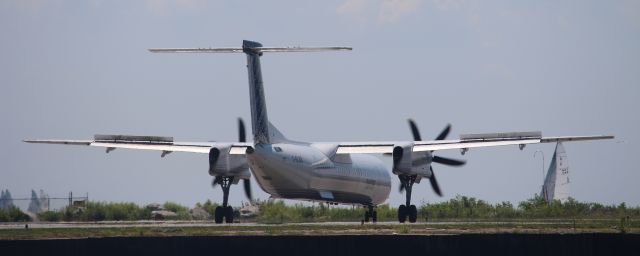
(277, 149)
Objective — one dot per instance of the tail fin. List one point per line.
(259, 119)
(263, 131)
(556, 182)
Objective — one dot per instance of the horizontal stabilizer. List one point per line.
(249, 47)
(197, 50)
(256, 49)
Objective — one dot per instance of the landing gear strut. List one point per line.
(407, 210)
(370, 214)
(224, 212)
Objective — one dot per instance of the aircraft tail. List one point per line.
(263, 131)
(556, 183)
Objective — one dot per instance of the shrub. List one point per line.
(51, 216)
(13, 214)
(181, 211)
(209, 207)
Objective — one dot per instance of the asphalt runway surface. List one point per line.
(177, 224)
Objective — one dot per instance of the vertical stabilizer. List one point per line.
(556, 183)
(259, 119)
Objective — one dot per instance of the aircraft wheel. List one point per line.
(402, 213)
(219, 215)
(366, 216)
(228, 214)
(413, 213)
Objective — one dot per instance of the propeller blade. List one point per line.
(434, 183)
(215, 181)
(247, 189)
(241, 132)
(443, 134)
(448, 161)
(414, 130)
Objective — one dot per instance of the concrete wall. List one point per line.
(468, 245)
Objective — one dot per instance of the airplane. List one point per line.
(328, 172)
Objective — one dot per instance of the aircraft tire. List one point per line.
(413, 213)
(228, 212)
(402, 213)
(218, 215)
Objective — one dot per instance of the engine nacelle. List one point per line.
(221, 163)
(407, 162)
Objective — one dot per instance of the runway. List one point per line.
(57, 230)
(199, 224)
(334, 245)
(158, 238)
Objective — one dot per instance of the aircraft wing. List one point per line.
(465, 142)
(167, 145)
(164, 144)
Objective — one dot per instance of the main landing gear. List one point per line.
(407, 210)
(224, 212)
(370, 214)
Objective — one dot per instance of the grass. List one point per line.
(403, 229)
(523, 226)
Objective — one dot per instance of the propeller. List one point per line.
(241, 132)
(242, 137)
(215, 181)
(436, 159)
(247, 189)
(448, 161)
(415, 132)
(443, 134)
(434, 183)
(215, 153)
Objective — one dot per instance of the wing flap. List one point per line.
(157, 147)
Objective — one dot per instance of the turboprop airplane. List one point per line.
(331, 172)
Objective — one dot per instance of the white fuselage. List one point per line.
(295, 170)
(309, 172)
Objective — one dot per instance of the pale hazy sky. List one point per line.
(71, 69)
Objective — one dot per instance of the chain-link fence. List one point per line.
(41, 202)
